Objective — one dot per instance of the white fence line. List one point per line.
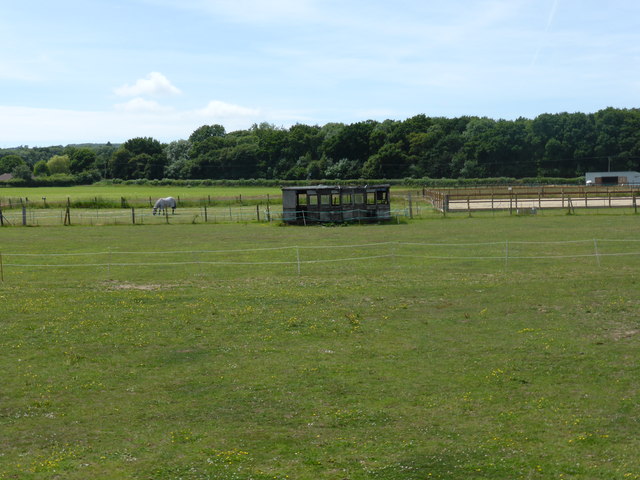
(507, 252)
(89, 216)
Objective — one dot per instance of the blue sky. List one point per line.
(74, 71)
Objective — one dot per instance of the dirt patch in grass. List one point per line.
(134, 286)
(624, 333)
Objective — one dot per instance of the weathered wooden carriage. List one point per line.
(335, 204)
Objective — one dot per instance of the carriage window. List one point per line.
(302, 198)
(381, 196)
(313, 199)
(358, 198)
(335, 199)
(371, 198)
(325, 199)
(347, 198)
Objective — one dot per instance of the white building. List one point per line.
(612, 178)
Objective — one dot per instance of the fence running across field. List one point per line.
(48, 217)
(520, 198)
(298, 256)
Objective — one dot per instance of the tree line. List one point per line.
(564, 145)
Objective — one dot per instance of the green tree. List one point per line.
(393, 160)
(103, 157)
(205, 132)
(22, 171)
(59, 164)
(140, 157)
(119, 164)
(153, 166)
(343, 169)
(303, 141)
(350, 142)
(372, 168)
(178, 160)
(41, 169)
(272, 159)
(81, 159)
(9, 162)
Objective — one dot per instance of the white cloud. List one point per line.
(218, 109)
(154, 84)
(137, 118)
(140, 105)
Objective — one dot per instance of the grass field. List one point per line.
(126, 204)
(136, 195)
(483, 347)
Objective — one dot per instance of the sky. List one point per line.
(93, 71)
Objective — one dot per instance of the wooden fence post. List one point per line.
(133, 215)
(205, 214)
(24, 216)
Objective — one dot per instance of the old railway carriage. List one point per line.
(335, 204)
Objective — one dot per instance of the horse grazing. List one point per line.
(163, 203)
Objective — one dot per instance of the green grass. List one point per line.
(136, 195)
(427, 361)
(109, 196)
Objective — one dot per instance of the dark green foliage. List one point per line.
(9, 163)
(81, 159)
(562, 145)
(41, 169)
(141, 157)
(22, 171)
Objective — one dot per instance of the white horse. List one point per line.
(163, 203)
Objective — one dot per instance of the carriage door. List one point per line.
(301, 206)
(312, 206)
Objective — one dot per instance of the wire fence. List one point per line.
(523, 199)
(138, 216)
(299, 258)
